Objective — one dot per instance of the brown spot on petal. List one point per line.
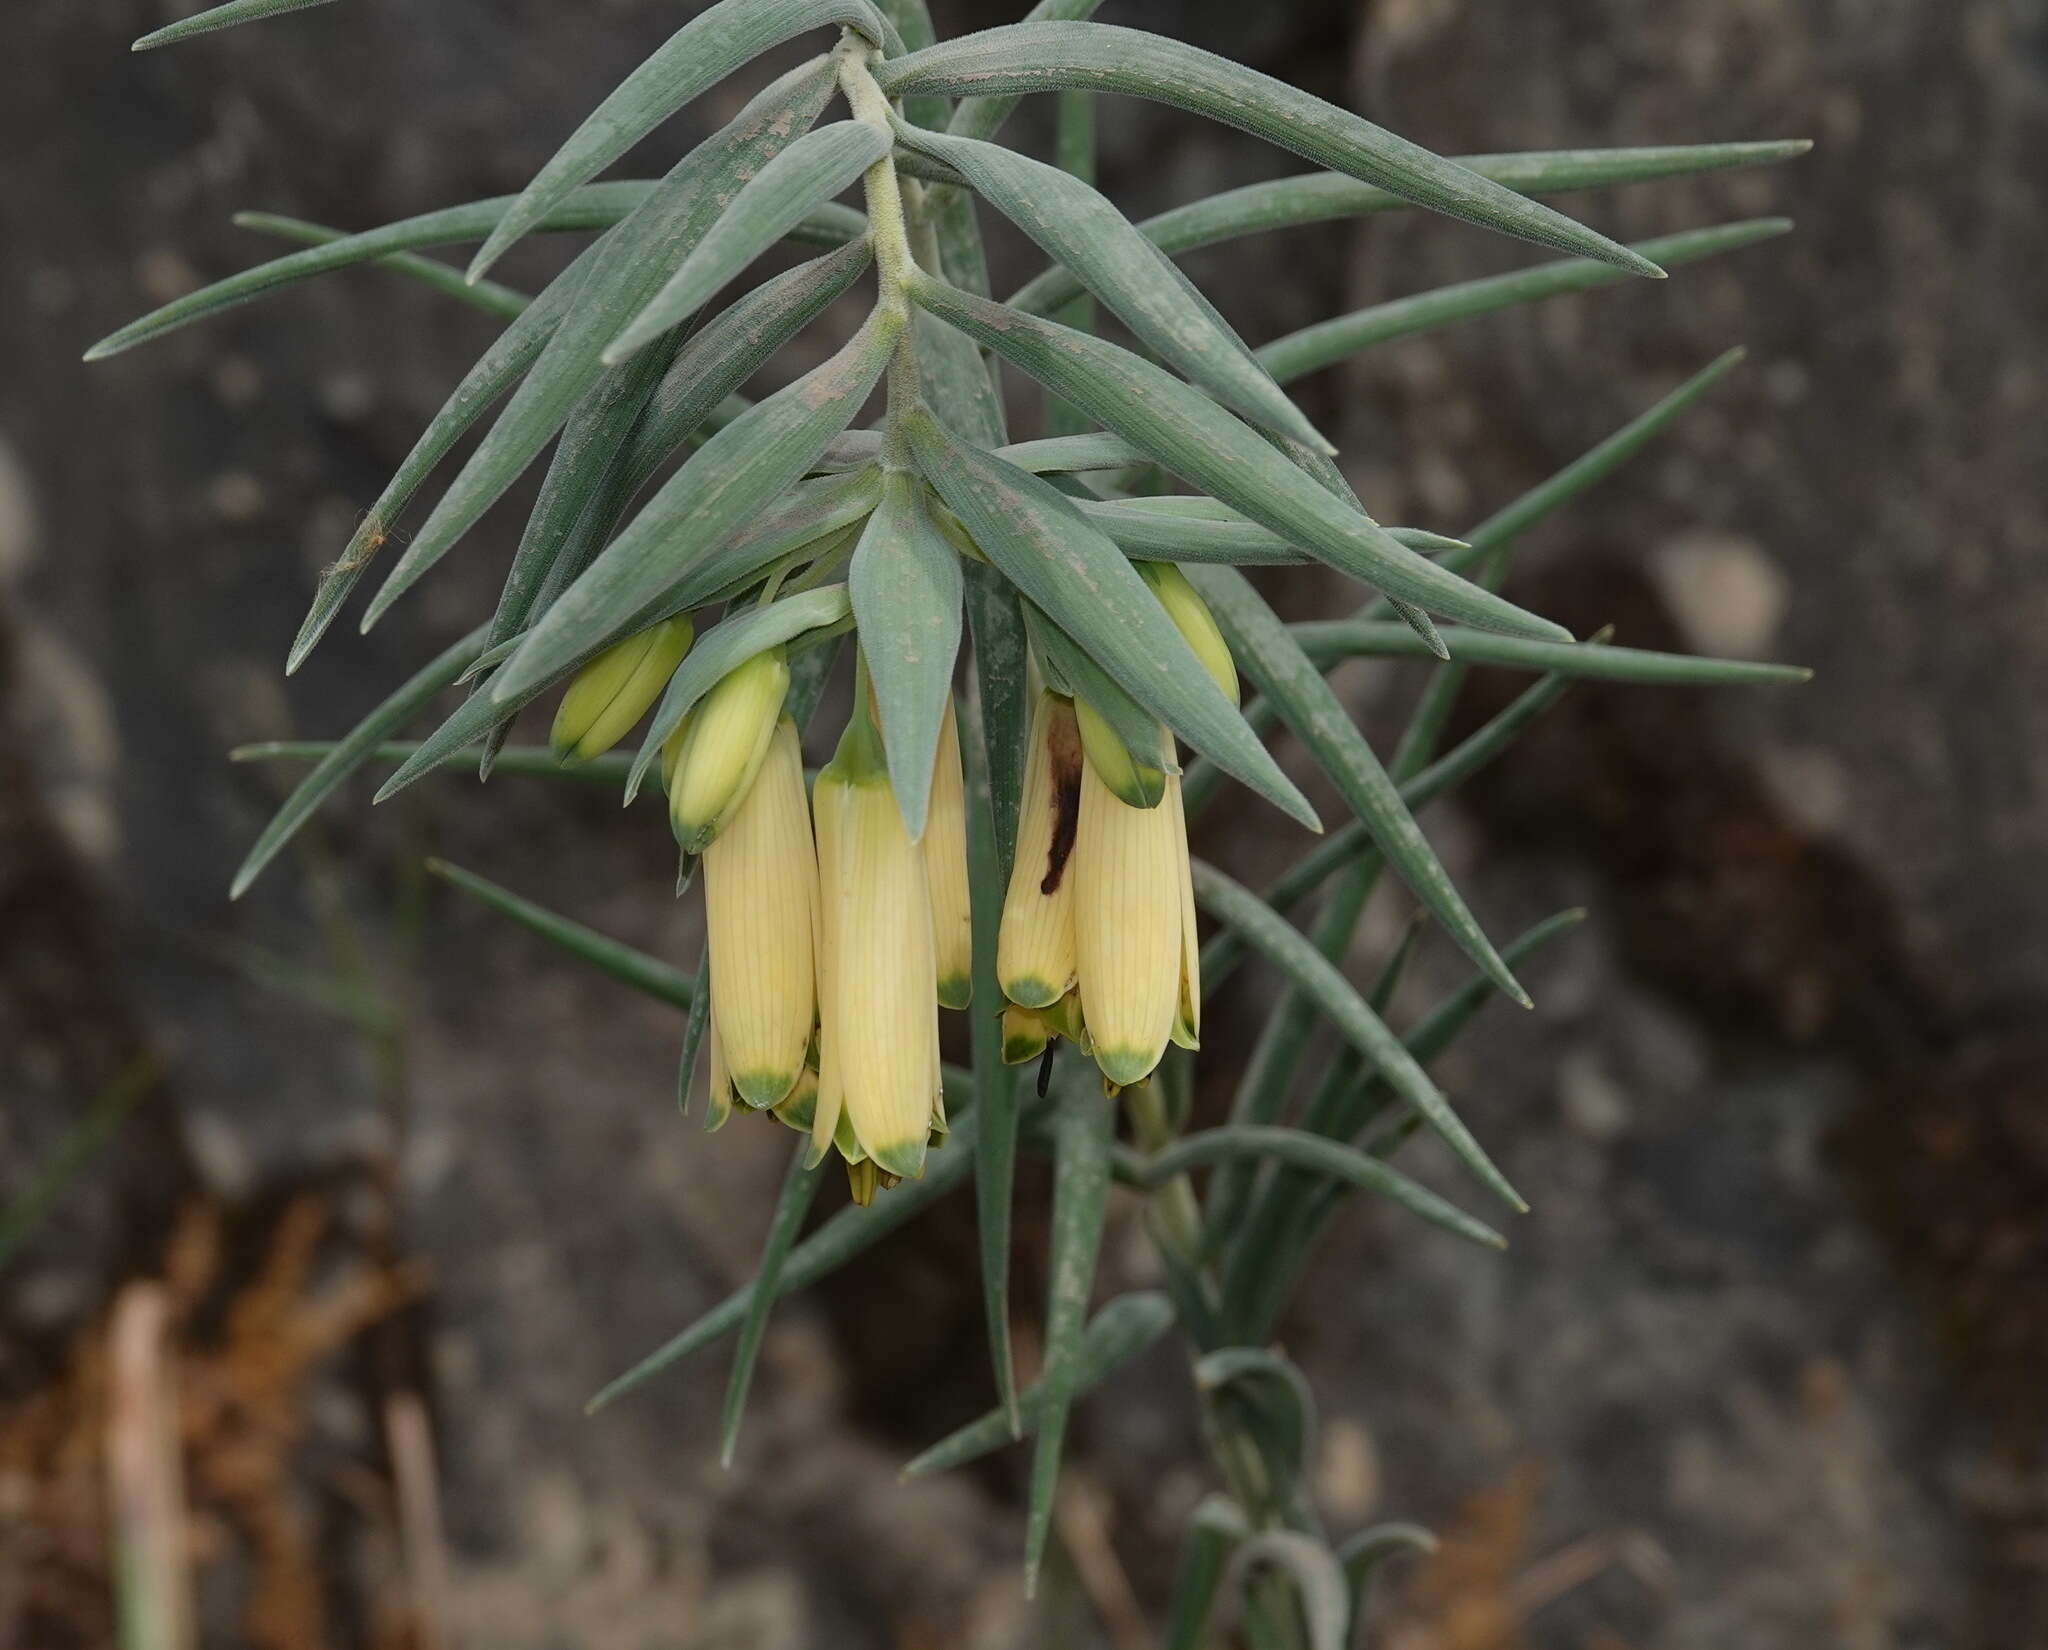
(1063, 745)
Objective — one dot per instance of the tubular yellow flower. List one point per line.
(945, 869)
(613, 691)
(799, 1108)
(760, 896)
(879, 1040)
(1191, 616)
(1127, 929)
(1025, 1034)
(1035, 954)
(722, 747)
(1131, 780)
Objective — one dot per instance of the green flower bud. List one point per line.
(613, 691)
(722, 747)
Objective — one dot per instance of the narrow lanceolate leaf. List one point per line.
(1086, 586)
(350, 754)
(511, 353)
(1079, 226)
(906, 587)
(220, 17)
(502, 301)
(1192, 436)
(1366, 1553)
(1320, 197)
(1179, 528)
(1051, 456)
(693, 1033)
(648, 975)
(810, 171)
(1083, 1129)
(981, 115)
(732, 346)
(1267, 652)
(850, 1232)
(528, 761)
(695, 58)
(1267, 1395)
(597, 207)
(1274, 938)
(1123, 1330)
(731, 478)
(725, 647)
(995, 1085)
(1034, 57)
(582, 469)
(1312, 348)
(799, 1188)
(626, 268)
(1318, 1581)
(1327, 642)
(1002, 682)
(1328, 1157)
(1213, 1532)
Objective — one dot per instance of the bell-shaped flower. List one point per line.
(760, 916)
(878, 1030)
(1130, 926)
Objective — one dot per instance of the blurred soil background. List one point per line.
(387, 1189)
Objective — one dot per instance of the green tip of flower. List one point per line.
(1125, 1066)
(762, 1089)
(956, 991)
(902, 1158)
(1031, 991)
(1023, 1047)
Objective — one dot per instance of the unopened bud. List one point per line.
(722, 746)
(613, 691)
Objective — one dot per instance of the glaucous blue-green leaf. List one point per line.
(1274, 938)
(1192, 436)
(1327, 342)
(723, 649)
(1327, 641)
(981, 114)
(1098, 57)
(627, 266)
(510, 354)
(1002, 682)
(850, 1232)
(583, 468)
(1214, 1529)
(1089, 588)
(799, 1189)
(1298, 1149)
(809, 172)
(1084, 1125)
(1317, 1578)
(1078, 225)
(504, 302)
(597, 207)
(1188, 528)
(525, 761)
(729, 480)
(1366, 1553)
(1268, 653)
(1265, 1395)
(695, 58)
(353, 751)
(1321, 197)
(220, 17)
(649, 976)
(907, 587)
(1126, 1328)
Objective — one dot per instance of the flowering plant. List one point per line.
(1007, 838)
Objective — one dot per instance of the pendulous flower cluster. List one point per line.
(835, 935)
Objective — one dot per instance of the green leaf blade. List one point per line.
(813, 169)
(695, 58)
(1029, 57)
(906, 589)
(1198, 440)
(1088, 587)
(220, 17)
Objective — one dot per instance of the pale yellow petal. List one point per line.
(759, 874)
(1127, 929)
(1035, 954)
